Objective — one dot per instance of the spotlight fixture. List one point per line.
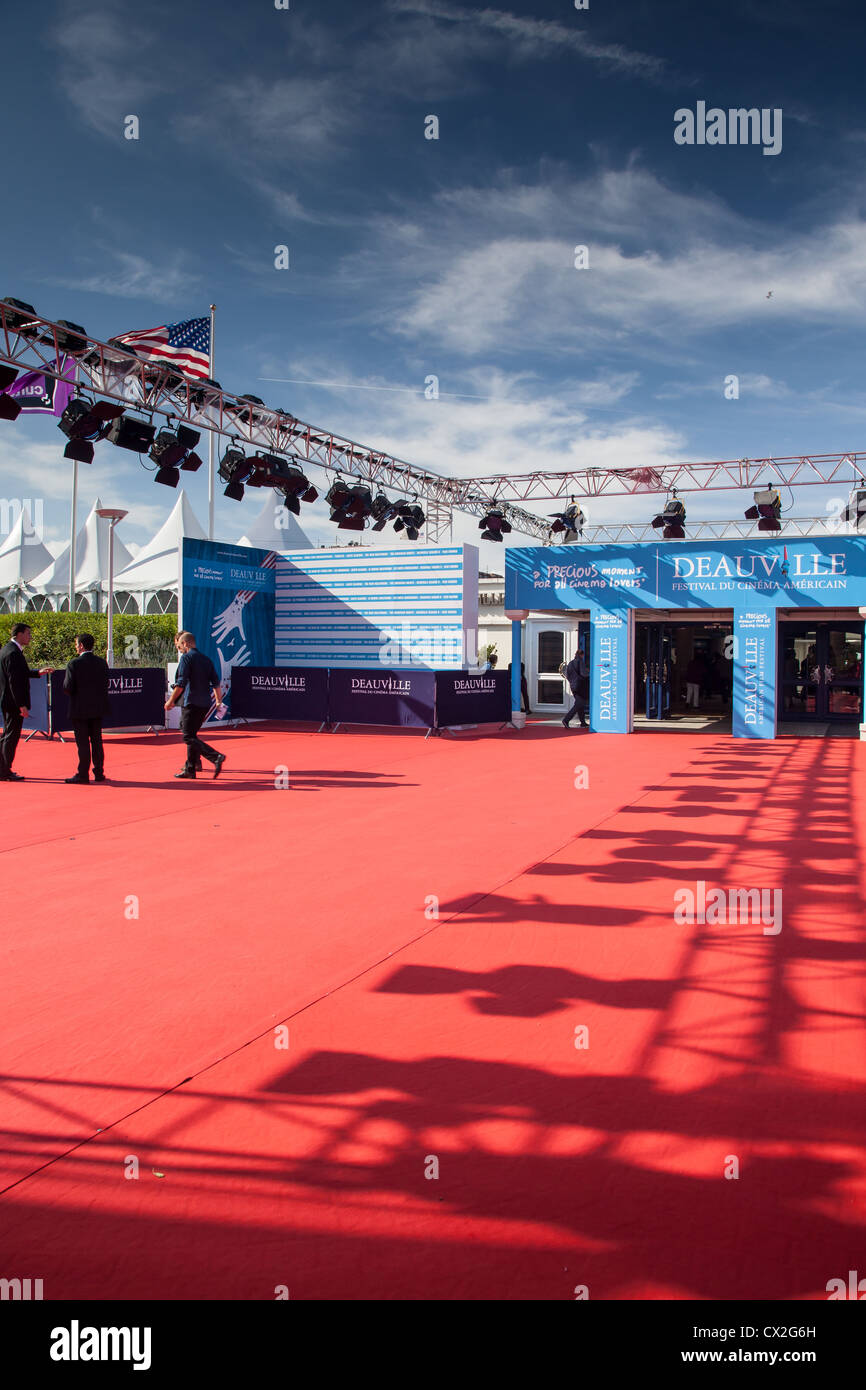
(289, 479)
(855, 511)
(234, 470)
(570, 521)
(10, 408)
(242, 408)
(410, 516)
(350, 503)
(71, 337)
(129, 433)
(767, 509)
(673, 519)
(19, 317)
(493, 526)
(84, 424)
(171, 447)
(204, 393)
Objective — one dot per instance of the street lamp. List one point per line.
(112, 515)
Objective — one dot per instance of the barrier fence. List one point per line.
(406, 698)
(136, 697)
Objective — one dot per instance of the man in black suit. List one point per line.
(15, 676)
(86, 684)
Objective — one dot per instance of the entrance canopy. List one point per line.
(756, 579)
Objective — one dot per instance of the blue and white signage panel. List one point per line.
(753, 578)
(829, 571)
(377, 607)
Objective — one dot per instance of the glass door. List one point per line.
(550, 646)
(842, 653)
(821, 671)
(658, 672)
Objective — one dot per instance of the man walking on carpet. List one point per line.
(196, 674)
(86, 684)
(577, 675)
(15, 677)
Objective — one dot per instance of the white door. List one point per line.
(549, 643)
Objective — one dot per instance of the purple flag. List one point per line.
(38, 394)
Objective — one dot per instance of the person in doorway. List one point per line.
(695, 675)
(524, 687)
(15, 678)
(195, 676)
(577, 675)
(86, 684)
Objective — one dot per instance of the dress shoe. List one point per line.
(565, 724)
(14, 777)
(80, 780)
(218, 765)
(99, 777)
(187, 773)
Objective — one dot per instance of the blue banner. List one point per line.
(275, 692)
(610, 672)
(136, 699)
(754, 674)
(228, 604)
(464, 697)
(405, 697)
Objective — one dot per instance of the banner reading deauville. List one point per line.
(227, 603)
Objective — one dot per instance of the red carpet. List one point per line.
(416, 1042)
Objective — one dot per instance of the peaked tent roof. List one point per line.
(22, 554)
(91, 560)
(264, 533)
(156, 564)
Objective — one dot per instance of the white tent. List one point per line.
(91, 564)
(22, 557)
(153, 574)
(266, 534)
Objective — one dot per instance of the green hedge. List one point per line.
(53, 642)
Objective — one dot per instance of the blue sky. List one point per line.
(455, 257)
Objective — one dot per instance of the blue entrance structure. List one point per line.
(759, 580)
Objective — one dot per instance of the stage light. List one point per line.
(493, 526)
(84, 424)
(411, 517)
(7, 376)
(570, 521)
(234, 470)
(767, 509)
(350, 504)
(71, 337)
(855, 511)
(10, 409)
(384, 510)
(673, 519)
(244, 410)
(204, 393)
(127, 432)
(169, 476)
(19, 318)
(171, 447)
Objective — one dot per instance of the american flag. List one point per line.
(186, 345)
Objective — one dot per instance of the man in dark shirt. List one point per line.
(577, 675)
(15, 677)
(196, 674)
(86, 684)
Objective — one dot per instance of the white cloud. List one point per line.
(127, 275)
(104, 57)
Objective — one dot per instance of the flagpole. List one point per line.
(211, 479)
(73, 521)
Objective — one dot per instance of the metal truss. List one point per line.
(628, 531)
(729, 475)
(114, 374)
